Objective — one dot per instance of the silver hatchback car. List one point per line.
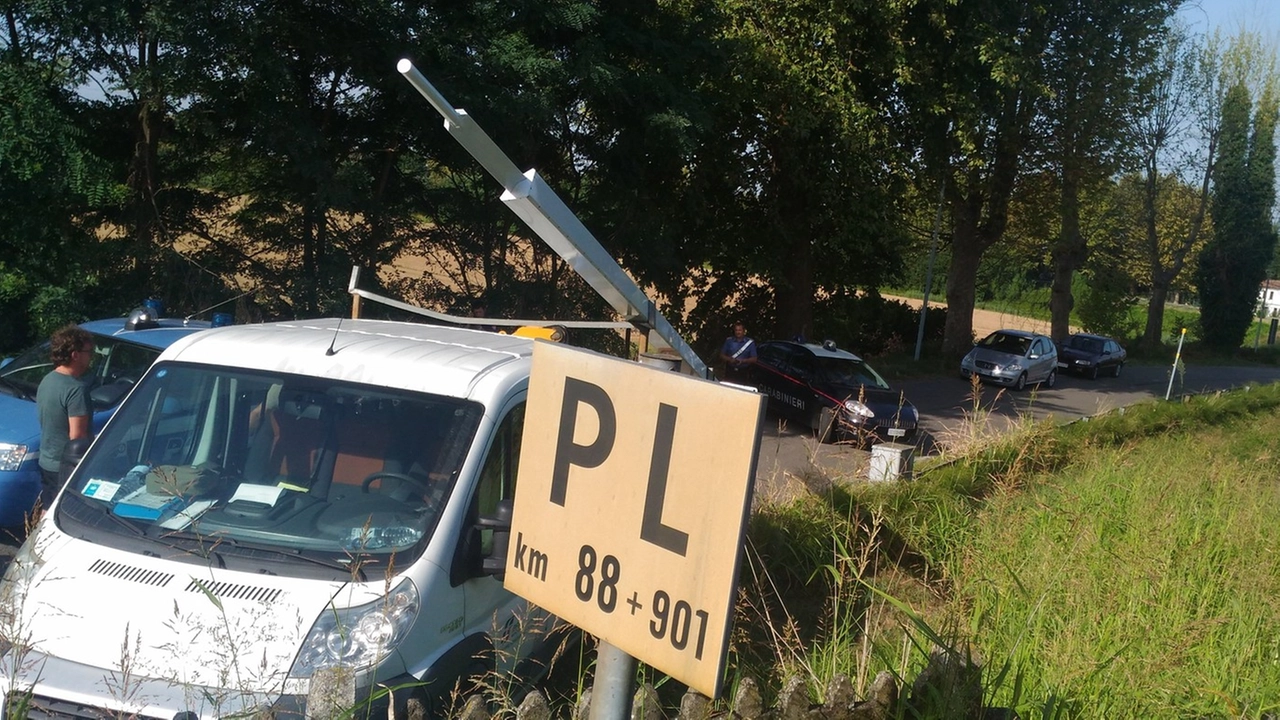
(1014, 358)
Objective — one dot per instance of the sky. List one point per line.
(1232, 15)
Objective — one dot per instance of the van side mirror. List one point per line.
(495, 563)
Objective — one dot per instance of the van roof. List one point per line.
(426, 358)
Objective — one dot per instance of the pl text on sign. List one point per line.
(633, 494)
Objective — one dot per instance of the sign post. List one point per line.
(628, 522)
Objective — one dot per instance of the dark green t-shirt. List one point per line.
(59, 397)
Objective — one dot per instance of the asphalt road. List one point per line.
(790, 457)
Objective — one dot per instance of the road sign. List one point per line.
(633, 494)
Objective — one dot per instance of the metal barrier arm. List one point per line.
(530, 198)
(480, 321)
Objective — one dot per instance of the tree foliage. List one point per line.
(50, 179)
(740, 157)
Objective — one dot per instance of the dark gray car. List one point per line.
(1014, 358)
(1091, 355)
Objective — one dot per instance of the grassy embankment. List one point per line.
(1128, 566)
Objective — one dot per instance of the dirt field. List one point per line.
(986, 322)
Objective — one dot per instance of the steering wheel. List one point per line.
(415, 482)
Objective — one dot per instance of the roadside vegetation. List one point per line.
(1123, 566)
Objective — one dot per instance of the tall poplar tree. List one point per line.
(1233, 264)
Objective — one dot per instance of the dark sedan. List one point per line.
(1091, 355)
(832, 391)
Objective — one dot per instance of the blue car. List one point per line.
(124, 349)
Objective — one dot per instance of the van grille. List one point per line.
(233, 591)
(41, 707)
(129, 573)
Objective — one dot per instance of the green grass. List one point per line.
(1128, 566)
(1143, 580)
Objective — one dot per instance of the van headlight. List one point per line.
(358, 637)
(11, 456)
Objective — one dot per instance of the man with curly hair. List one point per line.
(62, 403)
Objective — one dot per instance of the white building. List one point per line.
(1269, 297)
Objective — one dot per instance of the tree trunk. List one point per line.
(305, 302)
(957, 338)
(144, 174)
(1153, 335)
(795, 294)
(1068, 254)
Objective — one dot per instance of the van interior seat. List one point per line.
(364, 443)
(288, 441)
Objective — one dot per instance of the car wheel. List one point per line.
(1021, 382)
(827, 421)
(1116, 371)
(1093, 373)
(1052, 379)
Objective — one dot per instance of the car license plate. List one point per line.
(1062, 365)
(897, 432)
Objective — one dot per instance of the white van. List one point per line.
(275, 504)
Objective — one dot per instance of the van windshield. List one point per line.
(223, 458)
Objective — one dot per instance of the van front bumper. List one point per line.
(41, 686)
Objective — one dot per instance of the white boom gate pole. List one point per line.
(1177, 358)
(537, 204)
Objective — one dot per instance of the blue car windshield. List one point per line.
(116, 366)
(25, 372)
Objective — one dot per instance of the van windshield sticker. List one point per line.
(101, 489)
(261, 494)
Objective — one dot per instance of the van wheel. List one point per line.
(1021, 382)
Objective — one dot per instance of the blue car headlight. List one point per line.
(358, 637)
(1014, 367)
(11, 456)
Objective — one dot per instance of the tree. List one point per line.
(970, 79)
(1233, 264)
(1106, 289)
(1094, 61)
(1175, 132)
(124, 59)
(299, 123)
(805, 184)
(50, 181)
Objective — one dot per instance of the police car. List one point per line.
(123, 350)
(832, 391)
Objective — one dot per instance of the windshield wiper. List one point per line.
(235, 545)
